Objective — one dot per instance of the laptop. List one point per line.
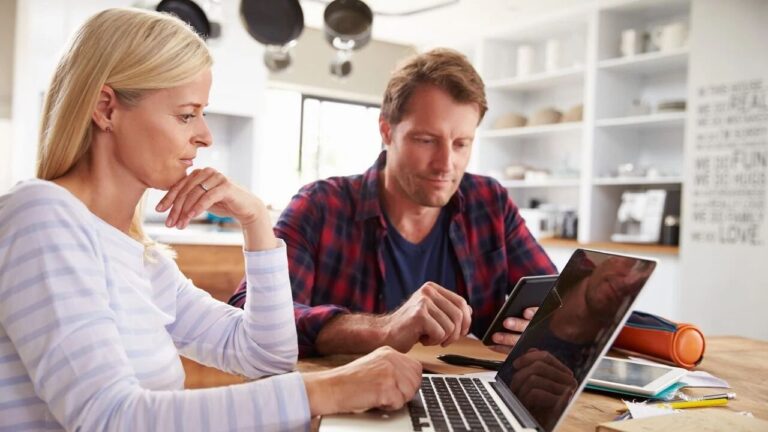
(543, 374)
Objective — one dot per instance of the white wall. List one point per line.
(7, 20)
(5, 154)
(43, 28)
(724, 278)
(310, 71)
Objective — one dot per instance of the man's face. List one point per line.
(610, 285)
(428, 151)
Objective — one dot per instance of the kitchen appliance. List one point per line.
(640, 215)
(540, 221)
(569, 224)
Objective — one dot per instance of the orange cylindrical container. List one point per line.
(650, 335)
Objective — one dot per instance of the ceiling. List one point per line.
(456, 24)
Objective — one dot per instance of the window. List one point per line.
(338, 138)
(307, 138)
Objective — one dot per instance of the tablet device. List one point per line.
(634, 377)
(528, 292)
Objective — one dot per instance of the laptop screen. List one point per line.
(570, 331)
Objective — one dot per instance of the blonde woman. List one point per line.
(93, 315)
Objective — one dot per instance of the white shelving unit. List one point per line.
(532, 130)
(650, 121)
(549, 183)
(5, 154)
(637, 181)
(554, 148)
(583, 158)
(571, 75)
(647, 63)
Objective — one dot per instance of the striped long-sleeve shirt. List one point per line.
(91, 330)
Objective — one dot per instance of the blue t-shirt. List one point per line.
(410, 265)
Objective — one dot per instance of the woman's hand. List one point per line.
(383, 379)
(207, 189)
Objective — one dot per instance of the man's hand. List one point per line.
(505, 341)
(384, 379)
(433, 315)
(543, 384)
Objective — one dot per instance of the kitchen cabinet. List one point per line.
(577, 165)
(574, 165)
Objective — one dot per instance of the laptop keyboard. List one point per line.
(455, 404)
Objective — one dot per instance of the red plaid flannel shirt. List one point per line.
(334, 230)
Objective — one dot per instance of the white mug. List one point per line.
(552, 55)
(524, 60)
(631, 42)
(670, 37)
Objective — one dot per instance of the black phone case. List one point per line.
(528, 292)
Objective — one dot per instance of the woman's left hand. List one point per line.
(207, 189)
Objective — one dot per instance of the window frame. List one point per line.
(321, 99)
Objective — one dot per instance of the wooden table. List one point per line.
(740, 361)
(217, 269)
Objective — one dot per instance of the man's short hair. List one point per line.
(441, 67)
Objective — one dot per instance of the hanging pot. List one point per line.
(347, 27)
(276, 24)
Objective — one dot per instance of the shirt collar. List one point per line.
(369, 204)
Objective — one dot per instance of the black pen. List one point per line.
(460, 360)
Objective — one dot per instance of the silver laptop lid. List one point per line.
(575, 325)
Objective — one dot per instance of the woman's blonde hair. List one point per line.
(131, 50)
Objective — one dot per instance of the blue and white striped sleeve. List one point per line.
(56, 316)
(259, 339)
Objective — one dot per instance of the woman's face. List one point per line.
(157, 140)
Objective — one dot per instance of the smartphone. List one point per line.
(528, 292)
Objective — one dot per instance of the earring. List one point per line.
(108, 129)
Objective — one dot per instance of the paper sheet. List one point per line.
(703, 379)
(643, 410)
